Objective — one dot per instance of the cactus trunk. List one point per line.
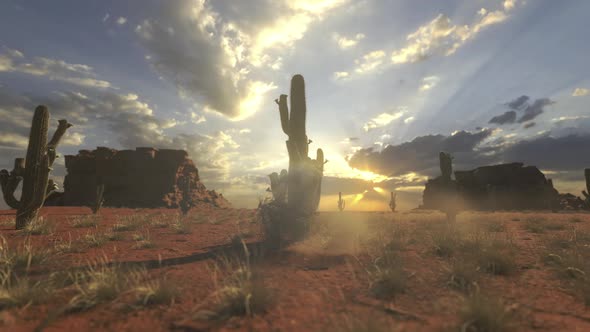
(587, 175)
(33, 170)
(304, 175)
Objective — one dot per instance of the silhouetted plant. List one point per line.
(34, 170)
(341, 202)
(392, 203)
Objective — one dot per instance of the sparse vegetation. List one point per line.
(18, 292)
(37, 226)
(483, 313)
(143, 240)
(131, 223)
(100, 282)
(23, 257)
(149, 291)
(85, 221)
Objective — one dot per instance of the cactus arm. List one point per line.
(284, 112)
(320, 159)
(62, 126)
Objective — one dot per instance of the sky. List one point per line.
(389, 84)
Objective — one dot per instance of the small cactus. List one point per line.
(392, 201)
(99, 197)
(586, 192)
(33, 170)
(278, 186)
(341, 202)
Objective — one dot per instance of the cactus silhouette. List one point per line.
(304, 178)
(392, 203)
(341, 202)
(99, 196)
(446, 165)
(586, 192)
(34, 170)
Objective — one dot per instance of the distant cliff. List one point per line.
(144, 177)
(498, 187)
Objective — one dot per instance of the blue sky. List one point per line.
(202, 76)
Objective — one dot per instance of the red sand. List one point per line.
(312, 291)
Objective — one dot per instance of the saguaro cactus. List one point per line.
(341, 202)
(392, 203)
(446, 165)
(34, 170)
(304, 178)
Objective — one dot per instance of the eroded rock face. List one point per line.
(144, 177)
(498, 187)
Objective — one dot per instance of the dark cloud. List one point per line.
(529, 125)
(518, 103)
(535, 109)
(419, 155)
(521, 105)
(507, 117)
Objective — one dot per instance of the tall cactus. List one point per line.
(33, 170)
(341, 202)
(305, 174)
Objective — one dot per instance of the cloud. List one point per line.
(518, 103)
(383, 119)
(421, 154)
(341, 75)
(529, 125)
(579, 92)
(474, 149)
(370, 62)
(121, 20)
(529, 111)
(441, 36)
(345, 42)
(221, 62)
(197, 118)
(535, 109)
(507, 117)
(125, 117)
(106, 17)
(429, 82)
(78, 74)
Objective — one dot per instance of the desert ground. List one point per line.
(156, 270)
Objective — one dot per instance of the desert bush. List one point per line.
(37, 226)
(482, 313)
(149, 291)
(242, 291)
(94, 239)
(99, 282)
(463, 275)
(181, 227)
(19, 292)
(535, 225)
(22, 257)
(446, 241)
(496, 257)
(143, 240)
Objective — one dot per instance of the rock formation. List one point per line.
(498, 187)
(144, 177)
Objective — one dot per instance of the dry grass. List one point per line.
(23, 257)
(19, 292)
(143, 240)
(99, 282)
(482, 313)
(37, 226)
(85, 221)
(239, 289)
(131, 222)
(148, 291)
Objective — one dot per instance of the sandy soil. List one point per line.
(320, 284)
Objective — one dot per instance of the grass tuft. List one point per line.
(481, 313)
